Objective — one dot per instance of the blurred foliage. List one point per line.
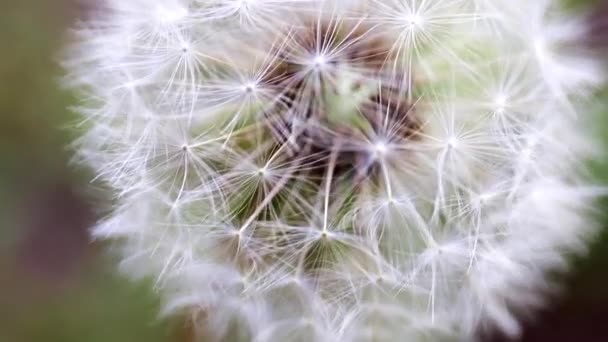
(31, 105)
(54, 285)
(99, 307)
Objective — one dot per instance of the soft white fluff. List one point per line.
(459, 225)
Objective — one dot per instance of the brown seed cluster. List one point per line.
(305, 118)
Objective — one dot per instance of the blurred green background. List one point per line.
(57, 286)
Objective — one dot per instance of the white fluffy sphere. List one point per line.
(340, 170)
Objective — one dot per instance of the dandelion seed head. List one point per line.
(340, 170)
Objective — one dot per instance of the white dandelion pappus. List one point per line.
(340, 170)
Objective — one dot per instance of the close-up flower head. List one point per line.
(340, 170)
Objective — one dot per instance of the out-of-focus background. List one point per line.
(58, 286)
